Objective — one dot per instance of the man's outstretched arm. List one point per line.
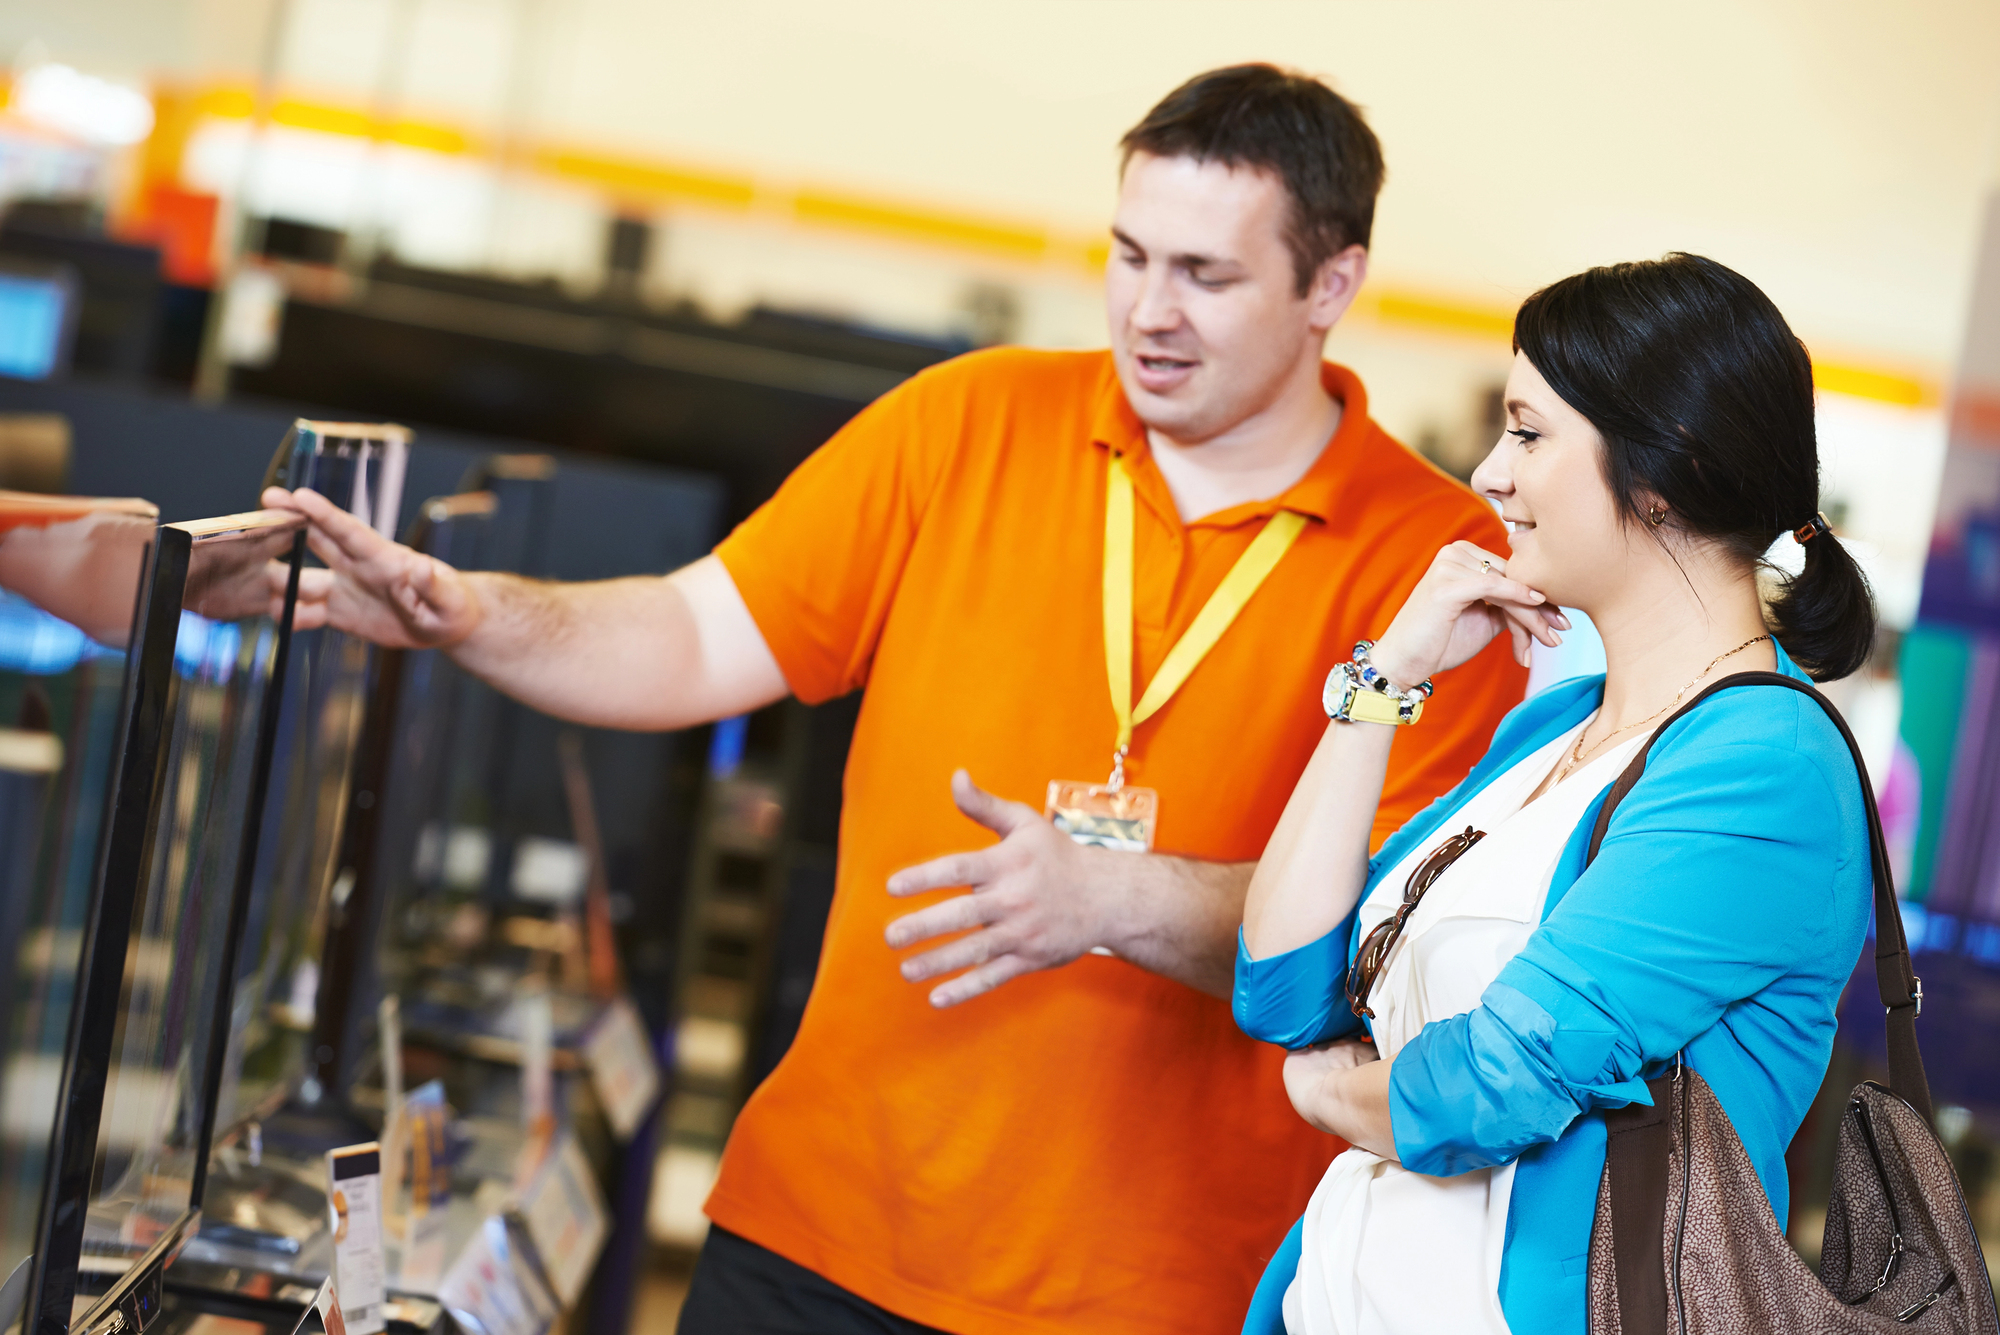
(647, 653)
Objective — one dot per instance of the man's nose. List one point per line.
(1156, 310)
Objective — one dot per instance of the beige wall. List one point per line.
(1833, 149)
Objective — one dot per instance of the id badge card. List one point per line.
(1102, 816)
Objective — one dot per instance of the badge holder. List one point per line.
(1105, 815)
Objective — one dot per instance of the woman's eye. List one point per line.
(1524, 435)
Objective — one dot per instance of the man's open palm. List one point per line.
(1034, 901)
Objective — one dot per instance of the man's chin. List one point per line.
(1179, 415)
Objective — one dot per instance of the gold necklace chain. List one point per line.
(1576, 752)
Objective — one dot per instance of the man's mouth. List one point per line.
(1155, 362)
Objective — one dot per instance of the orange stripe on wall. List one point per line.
(632, 180)
(642, 182)
(920, 224)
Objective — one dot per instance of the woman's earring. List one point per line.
(1656, 514)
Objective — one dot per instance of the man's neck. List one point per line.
(1260, 457)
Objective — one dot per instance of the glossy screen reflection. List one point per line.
(70, 572)
(217, 683)
(360, 468)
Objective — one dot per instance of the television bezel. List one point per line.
(124, 863)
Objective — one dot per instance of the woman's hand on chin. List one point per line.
(1460, 604)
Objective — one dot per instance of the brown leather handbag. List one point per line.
(1684, 1240)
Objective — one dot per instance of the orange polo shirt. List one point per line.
(1091, 1148)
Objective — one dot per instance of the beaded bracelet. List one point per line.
(1375, 681)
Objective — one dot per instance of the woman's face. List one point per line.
(1547, 476)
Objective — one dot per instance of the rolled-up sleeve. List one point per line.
(1300, 997)
(1712, 881)
(1296, 999)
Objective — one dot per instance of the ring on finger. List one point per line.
(1487, 565)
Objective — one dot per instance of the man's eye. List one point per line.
(1212, 284)
(1524, 435)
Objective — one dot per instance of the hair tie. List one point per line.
(1811, 529)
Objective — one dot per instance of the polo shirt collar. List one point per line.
(1116, 428)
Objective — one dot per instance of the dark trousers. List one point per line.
(740, 1288)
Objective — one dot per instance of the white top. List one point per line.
(1392, 1252)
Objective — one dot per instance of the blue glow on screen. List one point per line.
(206, 650)
(31, 324)
(36, 642)
(40, 644)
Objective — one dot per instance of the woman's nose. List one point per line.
(1492, 478)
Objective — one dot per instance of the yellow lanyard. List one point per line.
(1243, 579)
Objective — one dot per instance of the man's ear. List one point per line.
(1335, 286)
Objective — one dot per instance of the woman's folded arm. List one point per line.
(1298, 998)
(1715, 877)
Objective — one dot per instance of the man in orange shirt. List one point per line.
(1046, 569)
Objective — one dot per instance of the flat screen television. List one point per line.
(136, 1107)
(38, 308)
(405, 764)
(299, 874)
(265, 1208)
(69, 584)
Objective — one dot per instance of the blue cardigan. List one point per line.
(1724, 912)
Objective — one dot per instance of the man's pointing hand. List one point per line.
(372, 587)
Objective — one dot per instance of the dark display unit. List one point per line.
(264, 1203)
(402, 775)
(69, 581)
(117, 321)
(745, 402)
(438, 914)
(136, 1111)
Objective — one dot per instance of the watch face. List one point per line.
(1339, 683)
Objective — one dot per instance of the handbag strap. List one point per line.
(1638, 1138)
(1896, 978)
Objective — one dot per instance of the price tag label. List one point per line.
(489, 1288)
(538, 1082)
(424, 1123)
(354, 1200)
(327, 1304)
(622, 1067)
(566, 1219)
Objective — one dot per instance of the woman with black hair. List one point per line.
(1461, 1005)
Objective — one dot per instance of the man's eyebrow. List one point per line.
(1184, 260)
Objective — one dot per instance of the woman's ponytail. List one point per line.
(1825, 614)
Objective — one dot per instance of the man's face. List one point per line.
(1207, 324)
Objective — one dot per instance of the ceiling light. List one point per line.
(83, 105)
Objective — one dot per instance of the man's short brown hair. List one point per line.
(1291, 125)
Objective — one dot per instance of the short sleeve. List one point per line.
(819, 563)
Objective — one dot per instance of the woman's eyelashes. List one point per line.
(1526, 435)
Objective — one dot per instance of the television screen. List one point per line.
(208, 660)
(69, 583)
(359, 467)
(37, 317)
